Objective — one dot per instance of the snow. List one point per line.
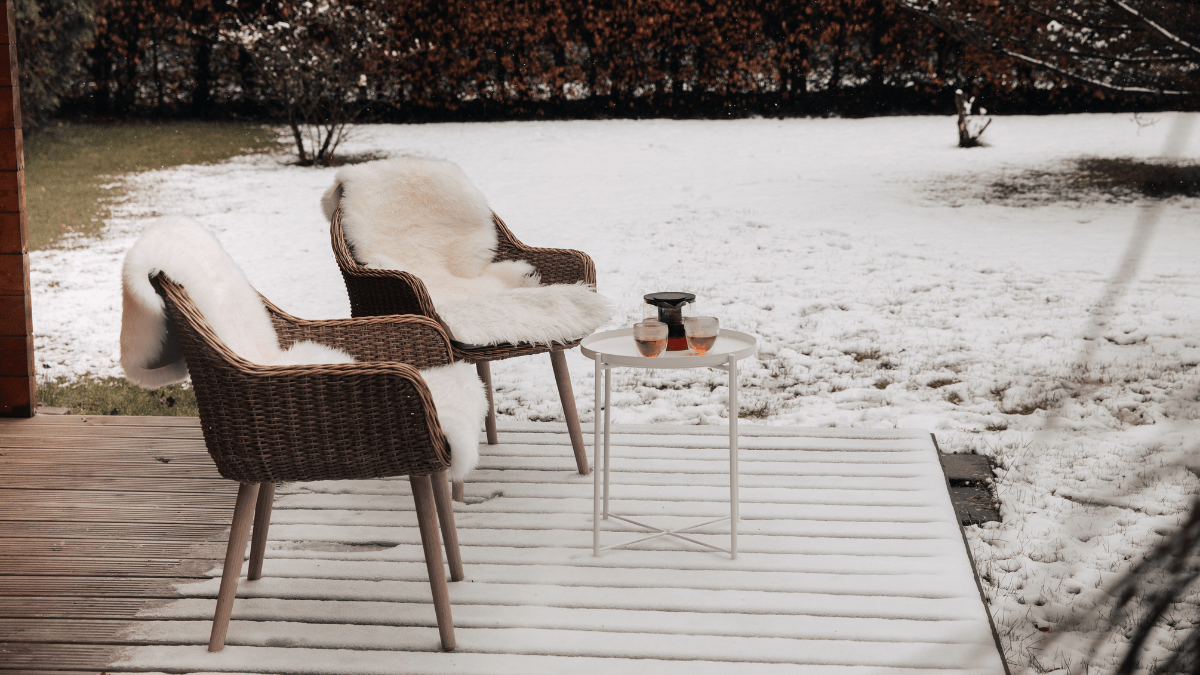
(861, 254)
(905, 602)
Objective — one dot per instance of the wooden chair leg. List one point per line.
(558, 360)
(459, 492)
(262, 522)
(445, 510)
(427, 521)
(243, 513)
(484, 369)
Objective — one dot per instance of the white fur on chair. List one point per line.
(424, 217)
(194, 258)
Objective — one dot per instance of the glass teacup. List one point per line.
(650, 337)
(701, 332)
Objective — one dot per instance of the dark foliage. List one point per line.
(160, 57)
(469, 59)
(1125, 46)
(51, 38)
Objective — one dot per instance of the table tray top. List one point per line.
(619, 350)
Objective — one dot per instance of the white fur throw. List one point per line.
(424, 217)
(194, 258)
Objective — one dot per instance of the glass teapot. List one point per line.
(671, 308)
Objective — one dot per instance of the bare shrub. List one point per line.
(317, 65)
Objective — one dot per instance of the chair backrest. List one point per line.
(415, 214)
(507, 246)
(375, 292)
(303, 423)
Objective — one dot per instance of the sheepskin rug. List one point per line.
(424, 217)
(194, 258)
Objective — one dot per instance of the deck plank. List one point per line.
(120, 484)
(105, 566)
(69, 607)
(66, 656)
(125, 531)
(91, 586)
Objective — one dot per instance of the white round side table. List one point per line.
(615, 348)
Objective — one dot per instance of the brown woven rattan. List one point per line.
(372, 419)
(375, 292)
(360, 420)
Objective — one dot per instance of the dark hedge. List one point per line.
(473, 60)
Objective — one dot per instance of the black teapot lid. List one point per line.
(669, 299)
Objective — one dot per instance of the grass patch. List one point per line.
(1132, 178)
(938, 384)
(358, 158)
(67, 167)
(1093, 178)
(1029, 409)
(759, 411)
(117, 396)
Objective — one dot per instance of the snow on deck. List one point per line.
(850, 561)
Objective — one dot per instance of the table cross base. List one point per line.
(665, 533)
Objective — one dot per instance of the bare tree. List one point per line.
(317, 64)
(970, 127)
(1130, 46)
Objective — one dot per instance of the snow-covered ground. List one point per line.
(860, 253)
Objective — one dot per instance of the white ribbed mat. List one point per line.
(850, 561)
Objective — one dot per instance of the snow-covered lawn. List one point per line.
(858, 252)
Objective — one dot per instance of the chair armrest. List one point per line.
(416, 340)
(375, 292)
(319, 422)
(385, 292)
(554, 265)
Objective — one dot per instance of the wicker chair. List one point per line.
(370, 419)
(376, 292)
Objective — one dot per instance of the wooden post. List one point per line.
(18, 384)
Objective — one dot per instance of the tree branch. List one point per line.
(1112, 87)
(1156, 26)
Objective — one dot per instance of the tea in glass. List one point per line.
(701, 333)
(650, 337)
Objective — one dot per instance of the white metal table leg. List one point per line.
(733, 457)
(607, 431)
(595, 462)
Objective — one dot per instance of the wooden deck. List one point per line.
(852, 560)
(100, 517)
